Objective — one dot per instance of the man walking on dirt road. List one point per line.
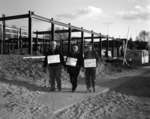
(53, 62)
(90, 62)
(74, 66)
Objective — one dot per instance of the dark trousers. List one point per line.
(55, 75)
(73, 73)
(90, 74)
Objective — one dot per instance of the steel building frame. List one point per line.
(70, 28)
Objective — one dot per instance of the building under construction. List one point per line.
(29, 41)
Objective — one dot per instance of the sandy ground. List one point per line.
(24, 94)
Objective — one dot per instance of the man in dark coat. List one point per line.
(74, 70)
(54, 68)
(90, 72)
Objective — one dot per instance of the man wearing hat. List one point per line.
(53, 62)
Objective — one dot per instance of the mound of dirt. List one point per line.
(20, 103)
(111, 105)
(14, 67)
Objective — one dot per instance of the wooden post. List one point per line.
(69, 39)
(30, 32)
(82, 41)
(100, 45)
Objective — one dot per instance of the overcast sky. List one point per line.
(112, 17)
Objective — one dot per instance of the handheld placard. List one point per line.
(51, 59)
(89, 63)
(71, 61)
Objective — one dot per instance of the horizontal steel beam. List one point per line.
(95, 37)
(14, 17)
(66, 31)
(42, 32)
(56, 31)
(63, 24)
(41, 18)
(74, 41)
(60, 23)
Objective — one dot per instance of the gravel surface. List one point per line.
(111, 105)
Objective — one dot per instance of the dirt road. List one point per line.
(128, 98)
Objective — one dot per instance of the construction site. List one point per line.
(122, 73)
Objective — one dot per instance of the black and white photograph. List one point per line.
(74, 59)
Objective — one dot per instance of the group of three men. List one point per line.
(72, 68)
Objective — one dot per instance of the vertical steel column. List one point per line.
(30, 32)
(100, 45)
(92, 39)
(20, 38)
(82, 41)
(1, 40)
(36, 42)
(112, 47)
(117, 44)
(3, 34)
(52, 31)
(18, 43)
(43, 44)
(69, 39)
(107, 46)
